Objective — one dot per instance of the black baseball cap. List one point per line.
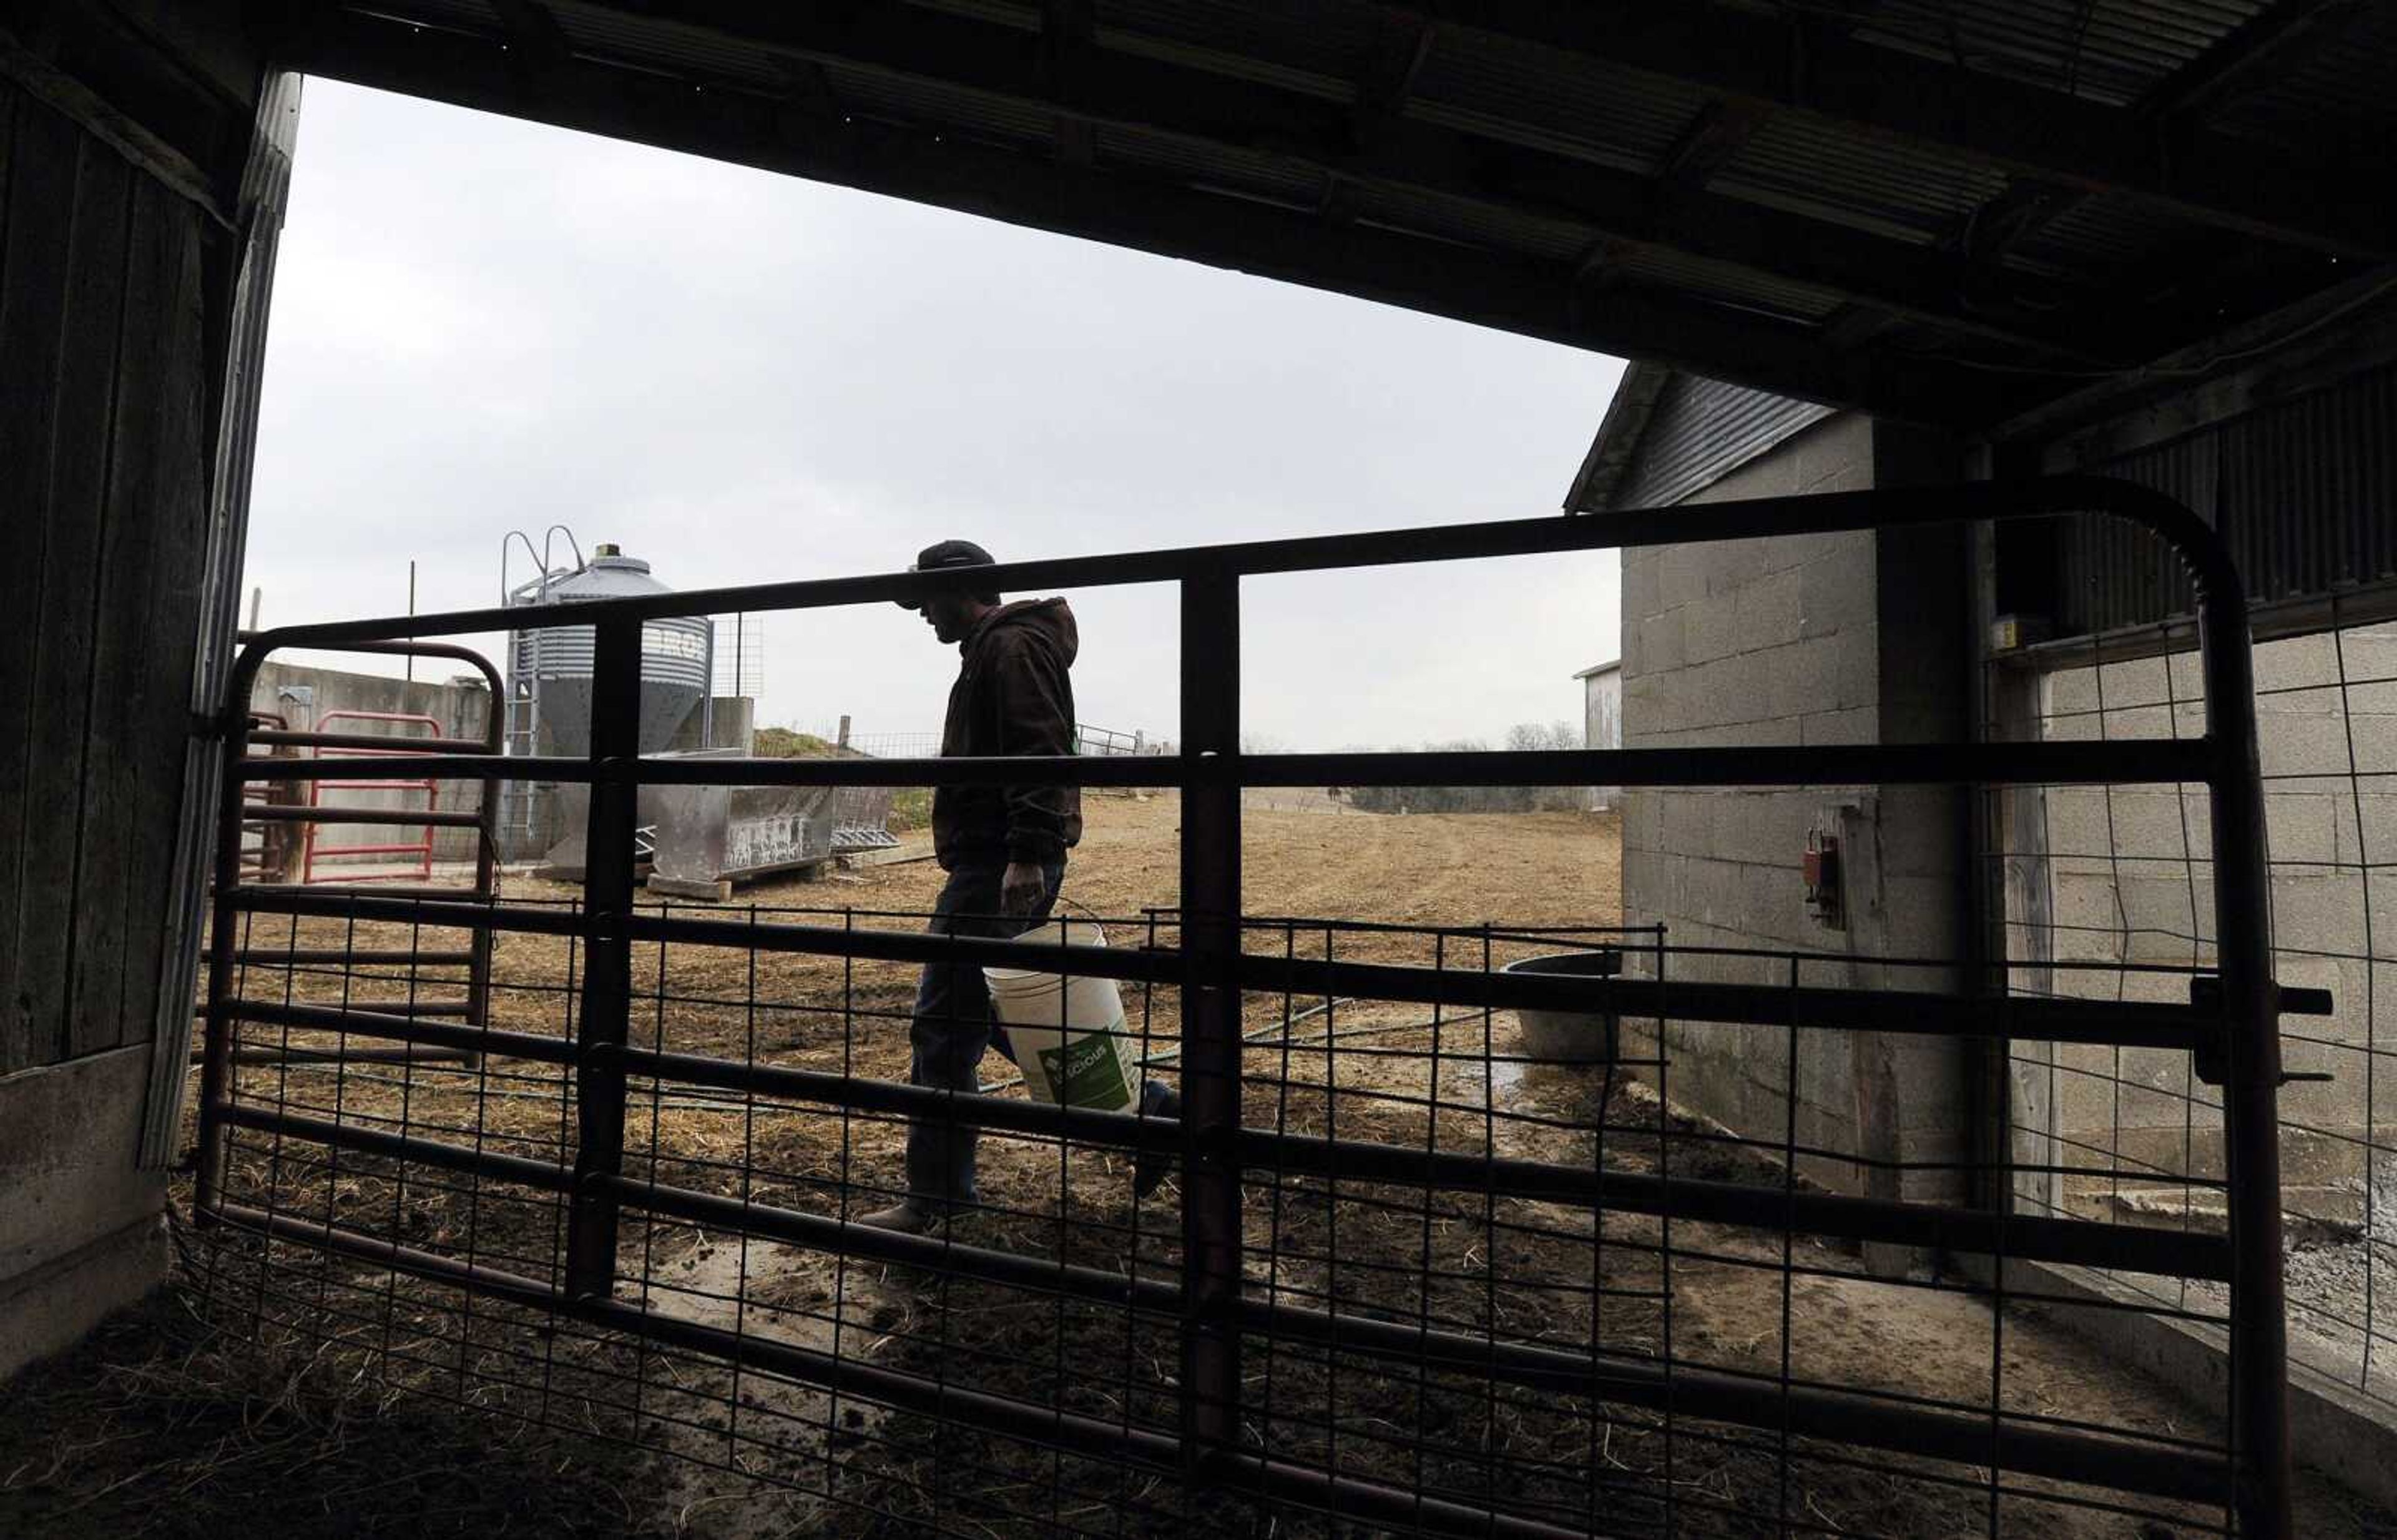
(944, 554)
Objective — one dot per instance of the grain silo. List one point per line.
(550, 688)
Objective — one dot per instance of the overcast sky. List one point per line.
(481, 325)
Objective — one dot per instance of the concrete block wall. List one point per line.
(1806, 639)
(2130, 883)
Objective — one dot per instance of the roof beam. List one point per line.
(2029, 130)
(2280, 36)
(1030, 188)
(1713, 137)
(1144, 93)
(1066, 29)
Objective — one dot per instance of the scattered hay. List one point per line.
(165, 1423)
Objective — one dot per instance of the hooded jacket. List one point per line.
(1014, 695)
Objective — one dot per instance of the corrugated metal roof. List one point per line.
(2112, 51)
(691, 52)
(2108, 233)
(2344, 85)
(1317, 49)
(1501, 116)
(1910, 193)
(872, 93)
(2304, 492)
(1778, 297)
(1473, 223)
(1276, 178)
(478, 16)
(1702, 430)
(1536, 97)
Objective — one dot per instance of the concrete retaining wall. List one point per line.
(80, 1226)
(304, 694)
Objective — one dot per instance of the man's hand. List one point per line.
(1021, 891)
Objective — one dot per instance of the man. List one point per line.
(1004, 850)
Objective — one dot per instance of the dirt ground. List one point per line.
(338, 1420)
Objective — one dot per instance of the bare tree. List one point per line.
(1523, 738)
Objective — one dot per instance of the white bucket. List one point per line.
(1069, 1036)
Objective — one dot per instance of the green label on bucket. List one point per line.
(1084, 1072)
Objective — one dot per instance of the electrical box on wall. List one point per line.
(1821, 873)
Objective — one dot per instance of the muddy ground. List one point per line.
(340, 1419)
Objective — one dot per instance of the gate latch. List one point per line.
(2210, 1056)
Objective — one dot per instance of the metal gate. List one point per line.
(1206, 1367)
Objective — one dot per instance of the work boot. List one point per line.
(1149, 1165)
(908, 1216)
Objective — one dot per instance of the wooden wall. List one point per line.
(103, 508)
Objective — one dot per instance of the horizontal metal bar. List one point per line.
(343, 1055)
(437, 818)
(2130, 1248)
(1747, 519)
(439, 1005)
(337, 897)
(543, 1175)
(2142, 760)
(2127, 1023)
(395, 1008)
(2131, 1023)
(361, 956)
(2296, 1000)
(944, 1401)
(396, 1028)
(368, 743)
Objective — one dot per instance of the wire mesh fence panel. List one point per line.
(2109, 896)
(1471, 1277)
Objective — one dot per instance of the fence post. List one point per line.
(843, 742)
(607, 956)
(1210, 1020)
(2251, 1067)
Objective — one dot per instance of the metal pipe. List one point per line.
(1747, 519)
(456, 818)
(2250, 1024)
(1211, 1026)
(2134, 1023)
(2072, 763)
(371, 742)
(608, 958)
(336, 1057)
(362, 957)
(398, 1028)
(216, 1053)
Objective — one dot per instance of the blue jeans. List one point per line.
(952, 1025)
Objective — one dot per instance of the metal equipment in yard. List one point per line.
(707, 838)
